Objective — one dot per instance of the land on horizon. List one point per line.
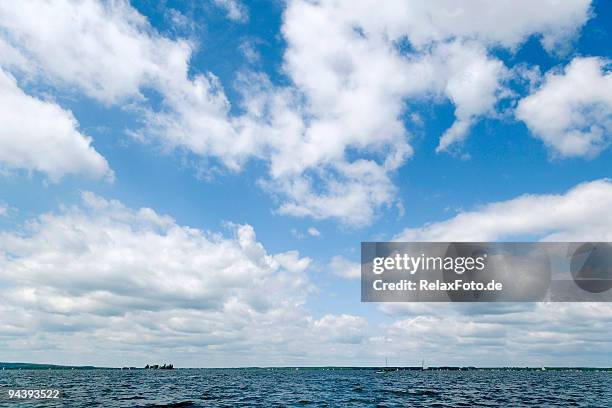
(42, 366)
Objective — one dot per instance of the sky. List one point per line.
(190, 181)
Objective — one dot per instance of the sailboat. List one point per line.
(423, 366)
(386, 368)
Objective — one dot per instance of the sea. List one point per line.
(261, 387)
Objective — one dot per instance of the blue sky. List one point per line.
(176, 125)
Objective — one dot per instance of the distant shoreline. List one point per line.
(37, 366)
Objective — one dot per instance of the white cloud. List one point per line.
(528, 334)
(506, 22)
(107, 49)
(355, 67)
(474, 84)
(39, 135)
(116, 282)
(344, 268)
(580, 214)
(354, 82)
(350, 197)
(107, 281)
(334, 138)
(313, 232)
(110, 52)
(105, 257)
(572, 111)
(120, 285)
(537, 334)
(248, 48)
(235, 9)
(342, 328)
(356, 56)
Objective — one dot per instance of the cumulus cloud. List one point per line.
(517, 335)
(110, 52)
(357, 55)
(107, 257)
(507, 23)
(350, 195)
(579, 214)
(115, 281)
(313, 232)
(351, 83)
(343, 328)
(121, 285)
(474, 85)
(106, 49)
(38, 135)
(344, 268)
(235, 9)
(107, 281)
(334, 137)
(572, 111)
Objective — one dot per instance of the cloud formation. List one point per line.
(572, 111)
(344, 268)
(333, 136)
(106, 49)
(580, 214)
(106, 258)
(120, 285)
(38, 135)
(107, 281)
(507, 23)
(107, 276)
(528, 334)
(235, 9)
(521, 334)
(313, 232)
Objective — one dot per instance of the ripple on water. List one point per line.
(337, 388)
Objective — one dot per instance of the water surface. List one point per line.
(333, 388)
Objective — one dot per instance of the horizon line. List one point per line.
(4, 365)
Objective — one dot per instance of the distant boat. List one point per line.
(423, 366)
(386, 369)
(543, 368)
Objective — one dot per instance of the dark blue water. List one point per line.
(337, 388)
